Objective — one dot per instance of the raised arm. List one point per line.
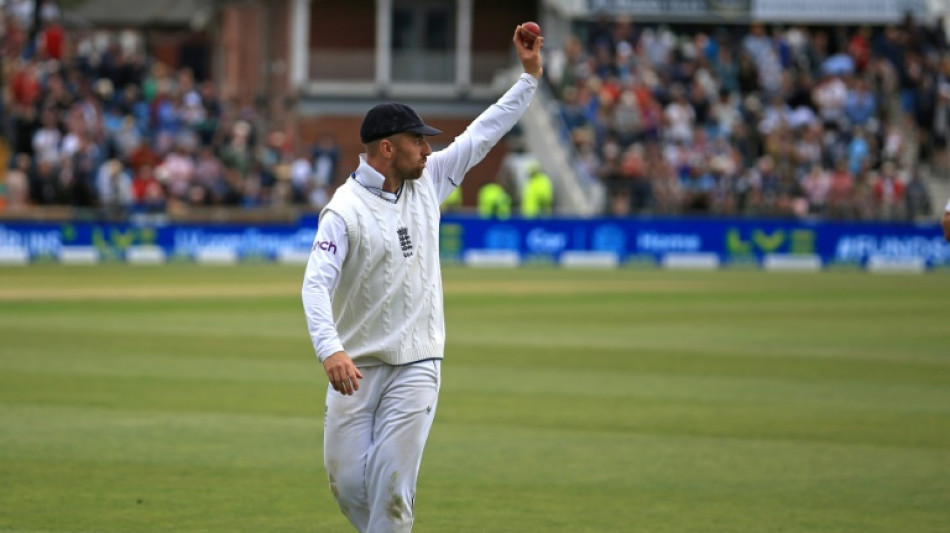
(447, 167)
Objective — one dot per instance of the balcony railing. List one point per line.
(338, 66)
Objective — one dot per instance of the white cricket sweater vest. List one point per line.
(388, 301)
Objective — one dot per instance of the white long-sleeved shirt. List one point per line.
(446, 169)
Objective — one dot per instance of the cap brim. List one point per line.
(425, 130)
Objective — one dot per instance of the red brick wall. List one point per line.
(336, 24)
(240, 42)
(280, 47)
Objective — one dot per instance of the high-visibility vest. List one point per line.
(493, 201)
(538, 198)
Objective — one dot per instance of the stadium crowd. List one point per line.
(104, 127)
(825, 121)
(832, 122)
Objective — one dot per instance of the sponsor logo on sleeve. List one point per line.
(326, 246)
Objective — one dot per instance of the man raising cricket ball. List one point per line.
(372, 295)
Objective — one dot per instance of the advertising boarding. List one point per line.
(632, 240)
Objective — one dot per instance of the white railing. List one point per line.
(336, 65)
(342, 65)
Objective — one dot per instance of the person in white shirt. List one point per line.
(372, 296)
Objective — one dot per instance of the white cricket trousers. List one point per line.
(373, 442)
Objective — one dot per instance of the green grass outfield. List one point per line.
(188, 399)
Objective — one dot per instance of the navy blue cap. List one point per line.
(391, 118)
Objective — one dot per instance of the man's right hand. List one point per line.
(342, 373)
(530, 57)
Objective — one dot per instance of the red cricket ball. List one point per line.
(530, 31)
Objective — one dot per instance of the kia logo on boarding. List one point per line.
(326, 246)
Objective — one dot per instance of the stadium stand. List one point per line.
(801, 121)
(108, 131)
(829, 122)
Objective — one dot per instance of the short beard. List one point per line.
(411, 175)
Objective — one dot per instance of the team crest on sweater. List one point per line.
(404, 241)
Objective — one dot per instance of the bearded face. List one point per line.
(410, 151)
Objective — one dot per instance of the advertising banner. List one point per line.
(769, 11)
(838, 11)
(734, 241)
(675, 10)
(44, 240)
